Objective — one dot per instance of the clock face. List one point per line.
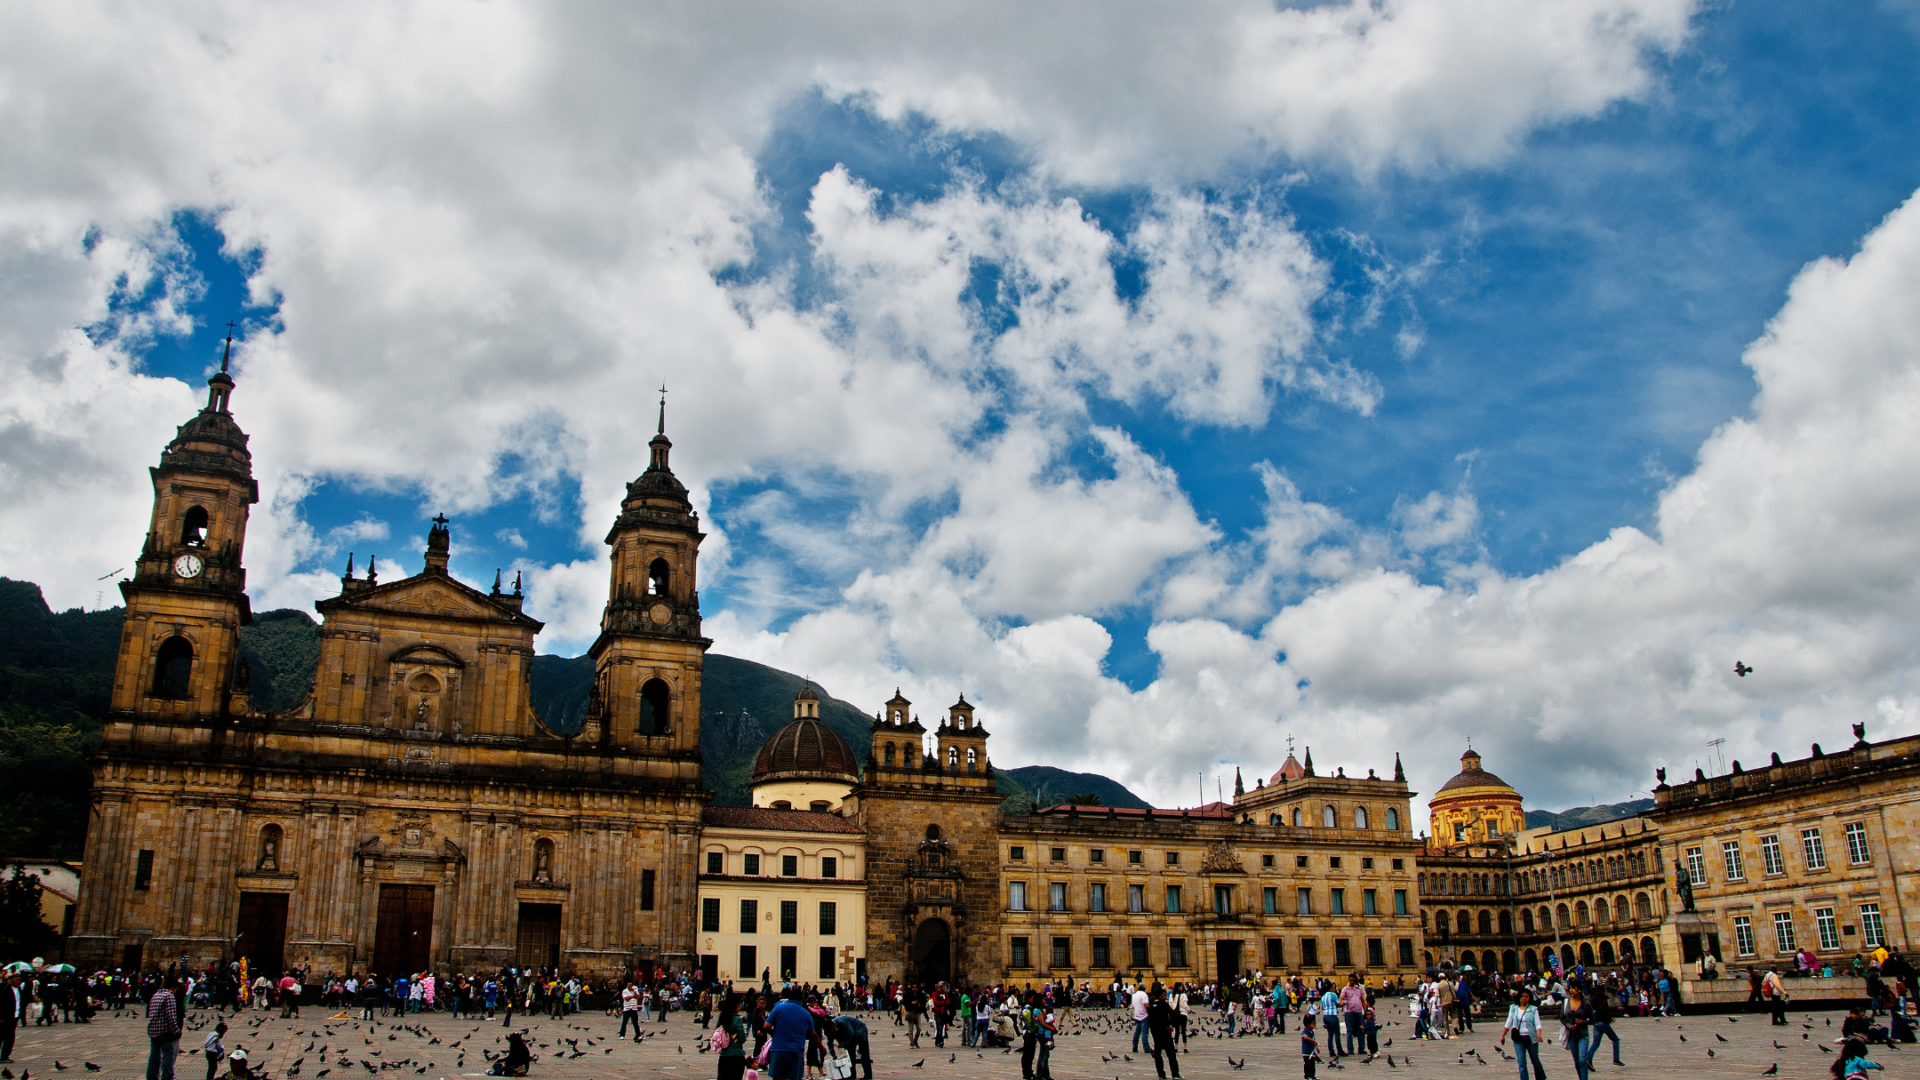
(188, 566)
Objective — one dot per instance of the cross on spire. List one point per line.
(662, 430)
(228, 353)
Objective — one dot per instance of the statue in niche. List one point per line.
(269, 850)
(543, 862)
(420, 716)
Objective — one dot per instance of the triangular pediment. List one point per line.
(431, 595)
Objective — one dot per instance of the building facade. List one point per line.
(412, 812)
(1816, 853)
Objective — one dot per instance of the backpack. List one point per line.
(719, 1040)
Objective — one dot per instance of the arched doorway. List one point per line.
(932, 953)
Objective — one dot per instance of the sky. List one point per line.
(1179, 382)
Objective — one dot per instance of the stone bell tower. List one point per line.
(648, 658)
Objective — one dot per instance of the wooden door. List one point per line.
(262, 936)
(403, 930)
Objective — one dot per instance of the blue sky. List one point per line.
(1499, 342)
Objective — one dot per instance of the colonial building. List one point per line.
(412, 812)
(782, 886)
(1507, 898)
(1803, 854)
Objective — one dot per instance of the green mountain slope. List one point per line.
(1049, 786)
(1581, 816)
(55, 684)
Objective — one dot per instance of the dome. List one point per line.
(1471, 775)
(805, 748)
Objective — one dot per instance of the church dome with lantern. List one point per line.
(805, 765)
(1475, 806)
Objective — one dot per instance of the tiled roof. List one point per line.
(1210, 810)
(759, 817)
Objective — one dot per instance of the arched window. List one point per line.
(1642, 907)
(889, 755)
(1526, 922)
(973, 760)
(1566, 957)
(1560, 916)
(656, 709)
(1586, 955)
(1649, 951)
(1442, 925)
(1467, 960)
(1626, 950)
(1606, 953)
(1600, 910)
(1531, 960)
(1506, 923)
(173, 669)
(659, 577)
(1393, 819)
(1422, 884)
(1464, 922)
(1299, 819)
(269, 861)
(1509, 962)
(933, 832)
(1546, 918)
(1580, 913)
(1620, 909)
(193, 527)
(1329, 818)
(1273, 819)
(953, 757)
(1486, 923)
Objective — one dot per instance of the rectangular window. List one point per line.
(1399, 864)
(1368, 904)
(1276, 953)
(789, 866)
(1133, 857)
(1097, 896)
(1136, 898)
(829, 918)
(1871, 928)
(789, 916)
(1730, 860)
(716, 862)
(1098, 855)
(1139, 950)
(1270, 901)
(1173, 858)
(1177, 952)
(1300, 861)
(1399, 901)
(646, 890)
(1309, 952)
(1102, 952)
(1827, 927)
(1223, 899)
(1376, 952)
(1058, 854)
(827, 965)
(1406, 952)
(1816, 851)
(1770, 856)
(143, 869)
(1857, 852)
(1342, 953)
(710, 915)
(1173, 899)
(749, 964)
(1016, 896)
(1783, 931)
(1266, 861)
(1062, 953)
(1696, 866)
(749, 916)
(752, 867)
(1305, 899)
(829, 866)
(1017, 853)
(1333, 863)
(1743, 935)
(1057, 896)
(1366, 864)
(1337, 901)
(1017, 952)
(789, 962)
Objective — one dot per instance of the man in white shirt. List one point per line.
(629, 1011)
(1142, 1038)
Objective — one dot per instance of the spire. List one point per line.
(662, 429)
(439, 541)
(496, 581)
(660, 444)
(220, 387)
(1239, 786)
(1309, 761)
(1399, 771)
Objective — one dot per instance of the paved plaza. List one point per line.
(436, 1046)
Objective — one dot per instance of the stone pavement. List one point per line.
(1094, 1049)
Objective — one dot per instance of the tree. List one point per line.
(23, 933)
(1085, 799)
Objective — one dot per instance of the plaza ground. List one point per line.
(1095, 1049)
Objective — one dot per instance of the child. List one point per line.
(214, 1050)
(1309, 1047)
(1853, 1062)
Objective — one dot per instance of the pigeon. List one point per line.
(951, 1058)
(1683, 1038)
(1719, 1036)
(91, 1067)
(1709, 1051)
(1826, 1049)
(919, 1063)
(1777, 1046)
(1772, 1070)
(57, 1067)
(1241, 1064)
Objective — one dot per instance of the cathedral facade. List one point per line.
(413, 812)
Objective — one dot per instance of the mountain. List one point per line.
(1048, 786)
(1581, 816)
(282, 651)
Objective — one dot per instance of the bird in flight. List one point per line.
(1741, 669)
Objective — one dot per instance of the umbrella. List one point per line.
(18, 965)
(58, 969)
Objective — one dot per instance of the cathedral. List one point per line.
(413, 812)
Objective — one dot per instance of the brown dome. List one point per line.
(1472, 775)
(805, 748)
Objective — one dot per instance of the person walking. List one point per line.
(1775, 990)
(13, 1006)
(1523, 1023)
(1309, 1047)
(1160, 1026)
(1353, 1004)
(1142, 1039)
(1576, 1015)
(1602, 1024)
(163, 1032)
(215, 1050)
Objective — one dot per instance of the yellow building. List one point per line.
(783, 890)
(1475, 807)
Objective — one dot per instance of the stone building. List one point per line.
(412, 812)
(1803, 854)
(1305, 874)
(1506, 898)
(782, 884)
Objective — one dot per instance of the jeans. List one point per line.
(1525, 1047)
(629, 1016)
(1594, 1031)
(1163, 1045)
(1578, 1046)
(1356, 1042)
(160, 1055)
(1141, 1038)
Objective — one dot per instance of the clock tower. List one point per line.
(187, 598)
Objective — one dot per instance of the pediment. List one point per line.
(430, 595)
